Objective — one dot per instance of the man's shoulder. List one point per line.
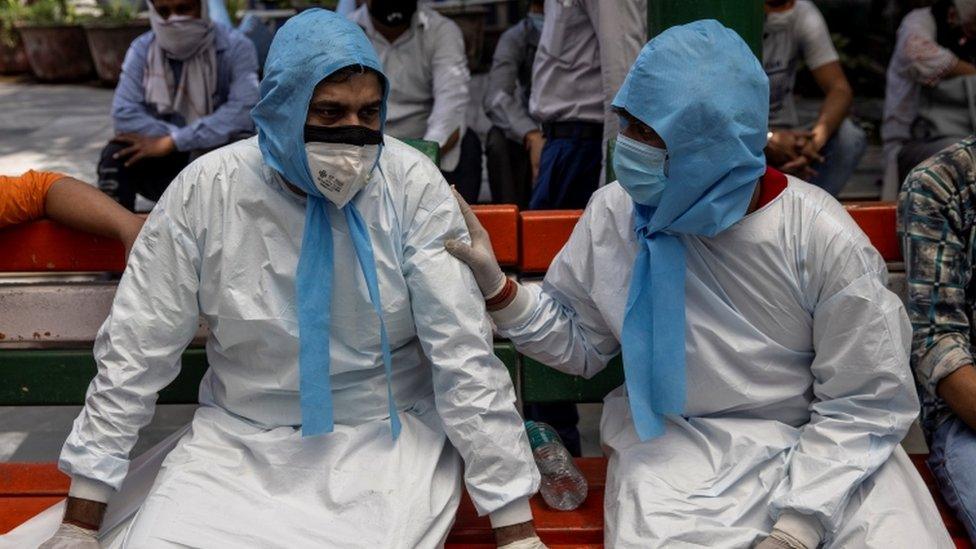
(231, 38)
(815, 214)
(806, 8)
(516, 34)
(917, 20)
(401, 154)
(611, 206)
(436, 24)
(141, 44)
(406, 168)
(223, 166)
(942, 175)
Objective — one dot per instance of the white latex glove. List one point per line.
(780, 540)
(528, 543)
(70, 536)
(479, 256)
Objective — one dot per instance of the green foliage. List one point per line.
(118, 11)
(49, 12)
(11, 11)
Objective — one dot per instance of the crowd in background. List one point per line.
(189, 86)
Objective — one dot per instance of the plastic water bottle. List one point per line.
(563, 486)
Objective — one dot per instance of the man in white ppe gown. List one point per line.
(294, 444)
(766, 364)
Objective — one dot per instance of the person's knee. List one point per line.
(851, 139)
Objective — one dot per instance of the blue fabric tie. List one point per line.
(653, 332)
(313, 285)
(364, 252)
(314, 293)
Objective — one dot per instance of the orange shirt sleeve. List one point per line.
(22, 197)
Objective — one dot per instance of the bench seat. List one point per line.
(26, 489)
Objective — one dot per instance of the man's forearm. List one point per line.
(83, 207)
(836, 106)
(451, 142)
(958, 389)
(961, 68)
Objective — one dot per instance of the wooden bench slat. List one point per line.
(46, 377)
(48, 246)
(544, 233)
(61, 377)
(16, 510)
(501, 222)
(878, 220)
(28, 488)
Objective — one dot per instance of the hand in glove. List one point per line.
(528, 543)
(781, 540)
(70, 536)
(478, 256)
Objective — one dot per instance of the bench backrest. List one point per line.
(525, 242)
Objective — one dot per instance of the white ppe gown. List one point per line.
(223, 244)
(798, 384)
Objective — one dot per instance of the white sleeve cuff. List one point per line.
(806, 529)
(518, 311)
(516, 512)
(86, 488)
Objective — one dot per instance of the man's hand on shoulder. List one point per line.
(518, 536)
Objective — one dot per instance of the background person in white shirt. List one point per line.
(934, 46)
(423, 55)
(827, 152)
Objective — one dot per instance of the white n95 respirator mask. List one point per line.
(341, 159)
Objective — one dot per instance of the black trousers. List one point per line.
(509, 170)
(148, 177)
(466, 177)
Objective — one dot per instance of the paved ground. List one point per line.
(58, 128)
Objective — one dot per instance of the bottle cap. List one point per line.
(541, 433)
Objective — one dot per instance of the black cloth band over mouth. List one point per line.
(347, 135)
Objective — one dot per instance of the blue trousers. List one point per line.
(569, 172)
(841, 153)
(952, 459)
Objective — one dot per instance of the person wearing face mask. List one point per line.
(826, 153)
(767, 385)
(928, 92)
(337, 410)
(187, 86)
(424, 57)
(514, 143)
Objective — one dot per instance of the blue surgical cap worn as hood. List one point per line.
(307, 49)
(701, 88)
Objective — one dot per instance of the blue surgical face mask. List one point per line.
(640, 170)
(536, 19)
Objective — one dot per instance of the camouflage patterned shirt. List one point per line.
(937, 226)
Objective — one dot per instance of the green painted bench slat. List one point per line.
(56, 377)
(541, 383)
(429, 148)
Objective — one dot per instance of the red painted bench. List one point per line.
(26, 489)
(544, 232)
(528, 240)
